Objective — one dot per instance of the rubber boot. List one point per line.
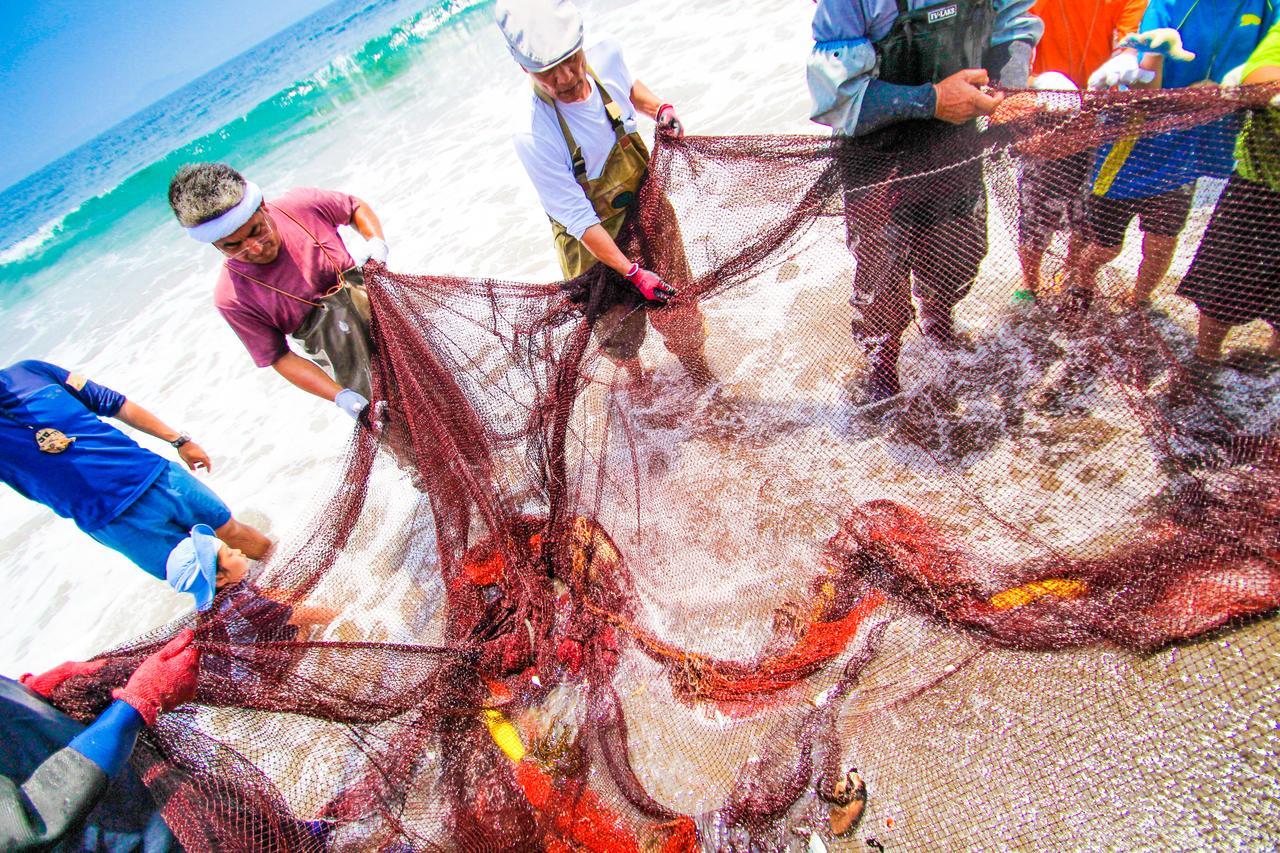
(882, 382)
(938, 324)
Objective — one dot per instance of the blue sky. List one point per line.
(70, 69)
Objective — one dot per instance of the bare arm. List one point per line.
(645, 101)
(366, 222)
(141, 419)
(306, 375)
(305, 615)
(1265, 74)
(1152, 62)
(600, 244)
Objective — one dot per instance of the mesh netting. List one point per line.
(1025, 598)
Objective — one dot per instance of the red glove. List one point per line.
(163, 681)
(650, 286)
(669, 122)
(47, 683)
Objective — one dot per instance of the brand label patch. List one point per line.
(942, 14)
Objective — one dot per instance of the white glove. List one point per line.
(377, 249)
(356, 245)
(351, 402)
(1054, 93)
(1234, 77)
(1165, 41)
(1120, 70)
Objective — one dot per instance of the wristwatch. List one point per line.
(182, 439)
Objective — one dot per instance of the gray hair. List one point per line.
(203, 191)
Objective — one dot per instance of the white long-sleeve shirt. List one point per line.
(544, 153)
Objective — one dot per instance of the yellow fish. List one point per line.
(504, 734)
(1029, 592)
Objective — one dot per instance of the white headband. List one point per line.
(231, 221)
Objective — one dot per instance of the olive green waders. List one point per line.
(620, 329)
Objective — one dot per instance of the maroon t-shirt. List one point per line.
(259, 316)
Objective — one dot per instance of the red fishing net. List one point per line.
(1027, 597)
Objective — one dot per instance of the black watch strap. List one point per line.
(182, 439)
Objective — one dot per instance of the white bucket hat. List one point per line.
(540, 33)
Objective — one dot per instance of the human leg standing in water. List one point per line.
(871, 74)
(1235, 277)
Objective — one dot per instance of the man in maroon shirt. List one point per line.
(285, 263)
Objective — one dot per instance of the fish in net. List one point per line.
(1029, 597)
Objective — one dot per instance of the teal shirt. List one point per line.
(1222, 34)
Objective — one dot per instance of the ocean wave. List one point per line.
(249, 131)
(31, 245)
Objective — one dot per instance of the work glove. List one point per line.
(377, 249)
(650, 286)
(351, 402)
(48, 682)
(1165, 41)
(669, 122)
(1234, 77)
(1053, 93)
(1120, 70)
(165, 680)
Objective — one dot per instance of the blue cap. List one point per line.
(193, 565)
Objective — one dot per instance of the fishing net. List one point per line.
(1027, 598)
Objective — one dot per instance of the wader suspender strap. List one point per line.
(323, 251)
(611, 109)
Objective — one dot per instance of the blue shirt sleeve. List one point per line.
(109, 740)
(98, 399)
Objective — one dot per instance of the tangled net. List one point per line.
(1026, 598)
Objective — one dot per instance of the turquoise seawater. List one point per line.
(293, 84)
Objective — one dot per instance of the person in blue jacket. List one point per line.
(1153, 178)
(903, 74)
(66, 786)
(54, 449)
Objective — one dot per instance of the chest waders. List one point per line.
(927, 236)
(611, 193)
(620, 325)
(930, 44)
(335, 332)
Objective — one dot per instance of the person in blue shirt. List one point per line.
(909, 76)
(1153, 178)
(55, 449)
(66, 785)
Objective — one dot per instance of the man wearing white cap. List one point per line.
(587, 160)
(287, 274)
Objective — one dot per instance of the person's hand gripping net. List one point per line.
(651, 287)
(47, 682)
(668, 122)
(164, 680)
(964, 96)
